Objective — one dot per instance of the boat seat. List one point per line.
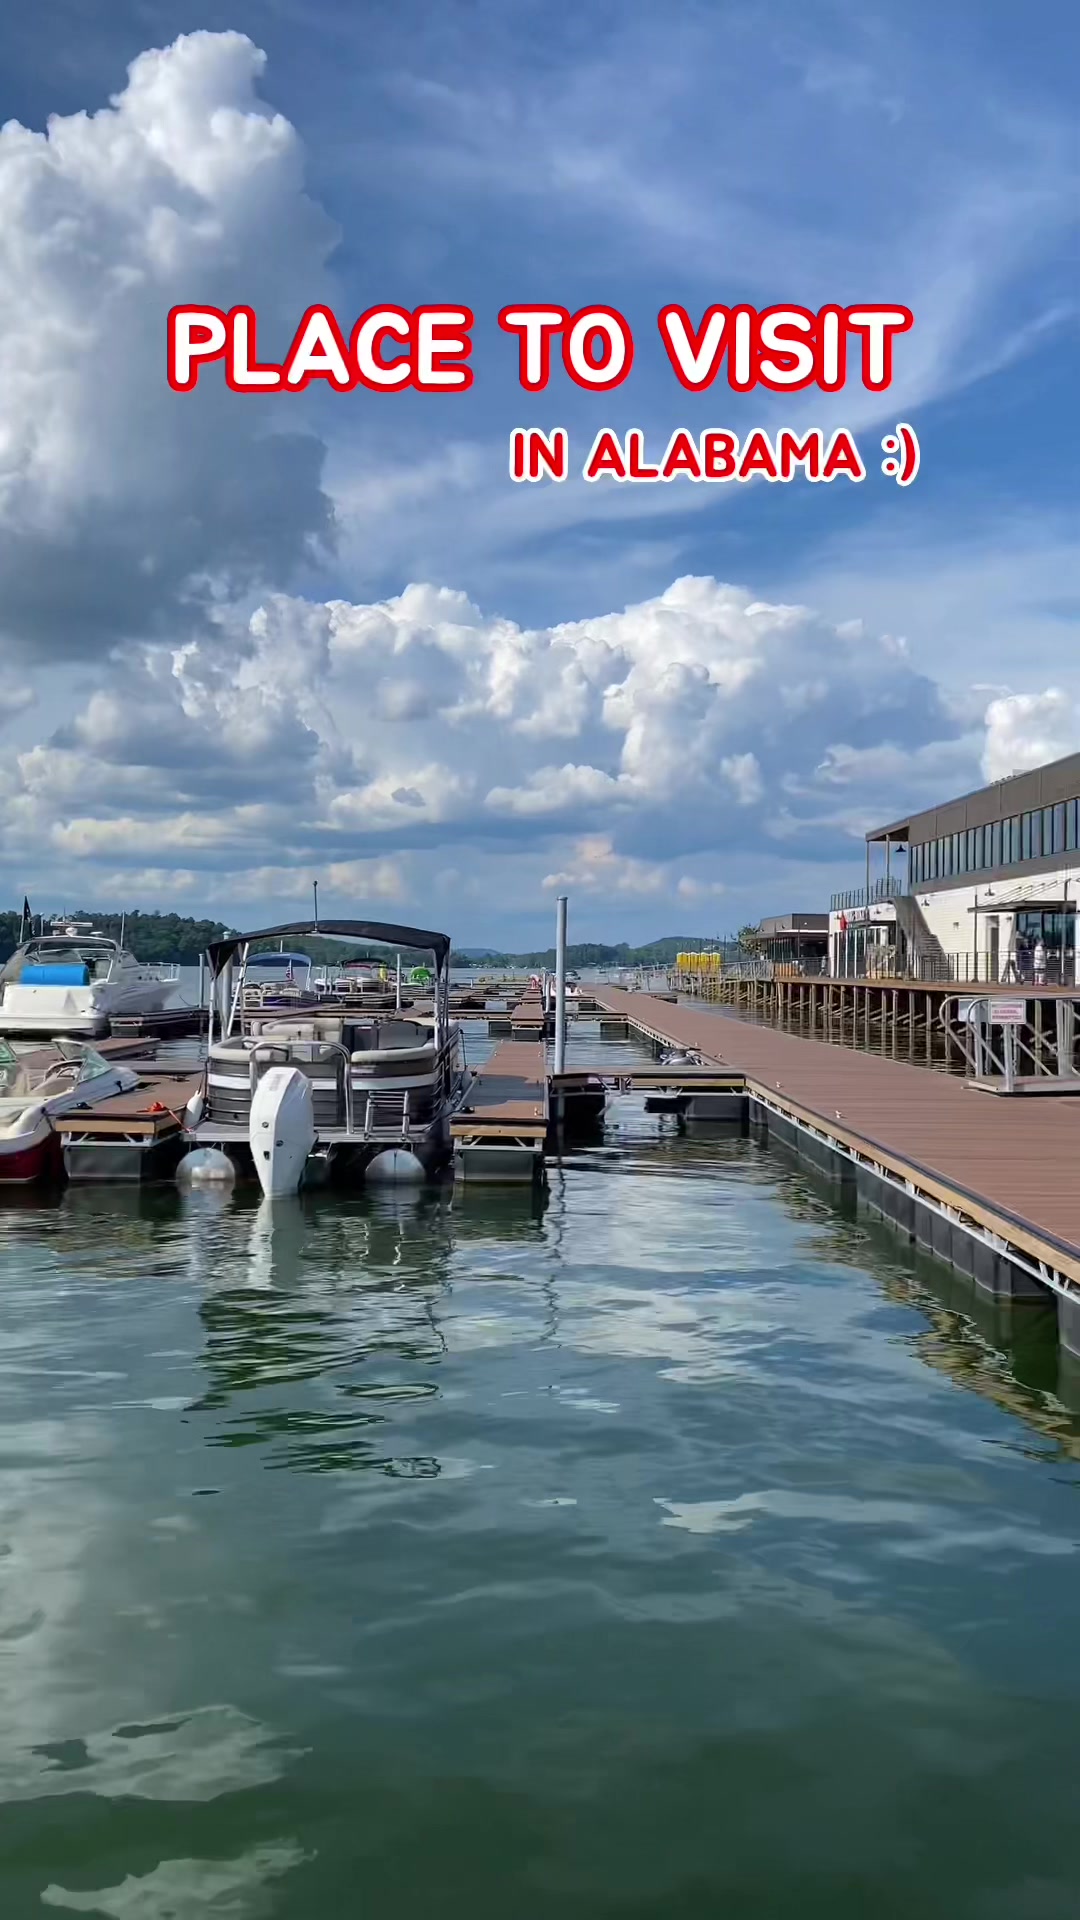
(314, 1027)
(231, 1053)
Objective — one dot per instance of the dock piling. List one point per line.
(560, 984)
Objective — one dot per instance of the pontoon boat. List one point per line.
(307, 1092)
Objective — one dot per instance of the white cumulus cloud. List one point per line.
(1026, 729)
(125, 508)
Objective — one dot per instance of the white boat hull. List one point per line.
(72, 1010)
(281, 1129)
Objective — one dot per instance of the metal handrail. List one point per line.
(263, 1049)
(1016, 1054)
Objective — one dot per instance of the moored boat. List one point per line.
(73, 979)
(37, 1086)
(308, 1092)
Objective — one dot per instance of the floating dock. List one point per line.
(133, 1136)
(993, 1194)
(500, 1131)
(174, 1023)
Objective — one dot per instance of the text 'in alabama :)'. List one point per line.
(714, 455)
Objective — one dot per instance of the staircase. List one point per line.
(926, 957)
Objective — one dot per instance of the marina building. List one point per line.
(794, 942)
(984, 887)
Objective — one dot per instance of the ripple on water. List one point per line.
(668, 1546)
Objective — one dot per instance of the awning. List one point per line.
(220, 952)
(1028, 903)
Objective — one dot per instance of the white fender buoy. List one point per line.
(394, 1164)
(205, 1166)
(281, 1129)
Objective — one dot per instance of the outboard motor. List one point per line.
(281, 1129)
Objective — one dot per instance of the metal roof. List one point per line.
(220, 952)
(1018, 793)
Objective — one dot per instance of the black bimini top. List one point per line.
(220, 952)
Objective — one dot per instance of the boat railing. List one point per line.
(446, 1074)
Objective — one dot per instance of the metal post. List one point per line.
(397, 986)
(225, 984)
(560, 985)
(202, 979)
(315, 890)
(867, 897)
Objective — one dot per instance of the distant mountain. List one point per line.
(592, 953)
(171, 936)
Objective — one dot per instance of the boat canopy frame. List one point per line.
(221, 955)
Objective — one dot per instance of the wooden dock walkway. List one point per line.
(503, 1122)
(976, 1159)
(151, 1109)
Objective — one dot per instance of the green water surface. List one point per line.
(674, 1548)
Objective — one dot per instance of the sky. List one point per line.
(251, 641)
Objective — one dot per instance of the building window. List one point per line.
(1072, 807)
(1059, 828)
(1036, 834)
(1025, 836)
(1050, 843)
(1015, 838)
(972, 863)
(981, 844)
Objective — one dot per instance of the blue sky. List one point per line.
(683, 705)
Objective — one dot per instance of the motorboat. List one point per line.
(289, 984)
(73, 980)
(306, 1093)
(360, 983)
(38, 1084)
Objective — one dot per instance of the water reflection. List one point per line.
(466, 1527)
(325, 1326)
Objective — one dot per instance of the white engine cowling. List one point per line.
(281, 1129)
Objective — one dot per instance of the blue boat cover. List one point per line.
(57, 975)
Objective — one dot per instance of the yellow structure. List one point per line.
(699, 963)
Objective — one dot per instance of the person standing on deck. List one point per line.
(1040, 962)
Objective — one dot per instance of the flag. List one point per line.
(843, 923)
(27, 920)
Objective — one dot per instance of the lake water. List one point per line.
(675, 1547)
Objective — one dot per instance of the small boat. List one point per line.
(289, 985)
(680, 1057)
(361, 984)
(73, 980)
(38, 1084)
(329, 1090)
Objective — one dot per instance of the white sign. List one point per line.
(1000, 1013)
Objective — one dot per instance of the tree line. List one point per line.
(178, 939)
(152, 936)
